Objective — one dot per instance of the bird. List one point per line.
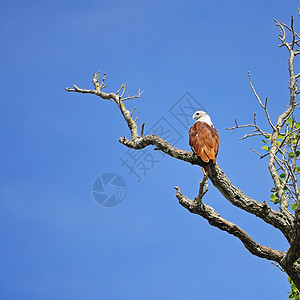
(204, 138)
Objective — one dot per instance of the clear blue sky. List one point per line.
(56, 241)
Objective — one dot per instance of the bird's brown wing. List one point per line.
(204, 139)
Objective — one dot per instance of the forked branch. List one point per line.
(112, 97)
(214, 219)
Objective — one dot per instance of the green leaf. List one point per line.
(282, 175)
(280, 136)
(294, 206)
(265, 142)
(297, 169)
(291, 154)
(290, 121)
(266, 148)
(273, 198)
(294, 293)
(297, 153)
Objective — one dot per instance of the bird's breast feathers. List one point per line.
(204, 140)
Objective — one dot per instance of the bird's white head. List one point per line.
(202, 116)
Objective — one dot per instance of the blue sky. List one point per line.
(57, 242)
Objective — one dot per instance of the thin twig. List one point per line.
(142, 131)
(201, 193)
(132, 111)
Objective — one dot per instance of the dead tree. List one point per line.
(282, 152)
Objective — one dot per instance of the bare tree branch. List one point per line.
(214, 219)
(112, 97)
(264, 106)
(256, 129)
(143, 128)
(135, 96)
(202, 192)
(260, 156)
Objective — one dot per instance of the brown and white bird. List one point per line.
(204, 138)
